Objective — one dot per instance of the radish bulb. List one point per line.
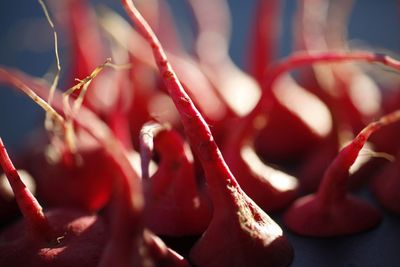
(174, 204)
(59, 237)
(240, 233)
(332, 211)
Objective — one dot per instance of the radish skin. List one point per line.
(60, 237)
(171, 192)
(332, 211)
(233, 209)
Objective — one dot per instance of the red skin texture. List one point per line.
(253, 231)
(347, 215)
(241, 234)
(173, 193)
(332, 211)
(286, 137)
(82, 238)
(258, 186)
(385, 187)
(86, 185)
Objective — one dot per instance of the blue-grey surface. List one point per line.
(376, 23)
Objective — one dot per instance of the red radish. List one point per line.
(81, 183)
(302, 112)
(61, 237)
(130, 243)
(127, 224)
(258, 183)
(126, 180)
(148, 102)
(351, 95)
(89, 186)
(127, 232)
(332, 211)
(78, 169)
(274, 143)
(385, 186)
(238, 226)
(171, 192)
(250, 126)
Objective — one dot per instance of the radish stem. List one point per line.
(29, 206)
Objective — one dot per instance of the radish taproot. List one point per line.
(132, 200)
(149, 100)
(250, 125)
(351, 96)
(254, 178)
(127, 231)
(172, 192)
(240, 233)
(59, 237)
(332, 211)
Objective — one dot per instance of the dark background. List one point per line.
(26, 43)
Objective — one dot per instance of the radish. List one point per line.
(351, 96)
(130, 243)
(89, 187)
(332, 211)
(274, 143)
(250, 125)
(231, 82)
(247, 235)
(128, 239)
(79, 183)
(66, 170)
(254, 121)
(171, 192)
(148, 101)
(60, 237)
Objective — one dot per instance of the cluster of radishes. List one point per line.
(122, 165)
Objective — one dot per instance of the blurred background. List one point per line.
(26, 43)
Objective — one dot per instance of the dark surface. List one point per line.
(375, 23)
